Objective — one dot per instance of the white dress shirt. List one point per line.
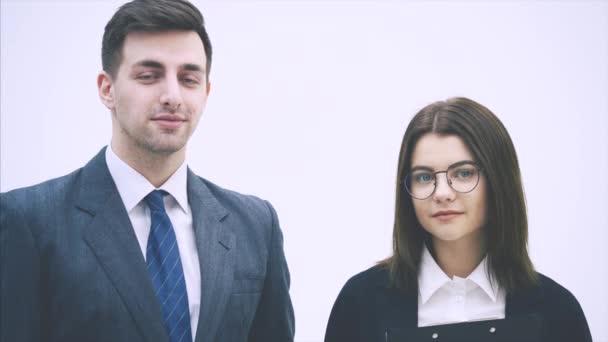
(442, 300)
(133, 187)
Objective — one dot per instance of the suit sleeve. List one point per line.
(20, 289)
(274, 318)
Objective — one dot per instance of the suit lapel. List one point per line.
(215, 242)
(111, 237)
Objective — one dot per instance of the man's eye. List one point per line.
(147, 77)
(190, 80)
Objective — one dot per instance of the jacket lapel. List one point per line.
(111, 237)
(215, 242)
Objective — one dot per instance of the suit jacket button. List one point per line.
(435, 335)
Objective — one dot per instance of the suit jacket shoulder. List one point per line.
(30, 206)
(28, 199)
(240, 204)
(247, 220)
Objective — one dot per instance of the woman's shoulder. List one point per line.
(556, 295)
(357, 311)
(375, 277)
(560, 310)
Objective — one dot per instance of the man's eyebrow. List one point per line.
(192, 67)
(150, 64)
(157, 65)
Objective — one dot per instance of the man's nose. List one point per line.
(171, 97)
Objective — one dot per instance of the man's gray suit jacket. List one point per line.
(71, 268)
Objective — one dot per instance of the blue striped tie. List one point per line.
(165, 268)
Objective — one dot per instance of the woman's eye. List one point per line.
(463, 174)
(423, 178)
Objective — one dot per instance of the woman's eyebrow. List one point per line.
(422, 167)
(462, 162)
(427, 168)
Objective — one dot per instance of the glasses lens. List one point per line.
(420, 184)
(464, 178)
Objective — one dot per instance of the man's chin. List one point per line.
(167, 150)
(165, 147)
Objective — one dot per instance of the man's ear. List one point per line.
(105, 86)
(208, 87)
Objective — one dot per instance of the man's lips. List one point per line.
(169, 117)
(169, 121)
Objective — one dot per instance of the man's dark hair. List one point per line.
(150, 16)
(506, 225)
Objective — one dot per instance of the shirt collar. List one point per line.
(133, 187)
(432, 277)
(481, 277)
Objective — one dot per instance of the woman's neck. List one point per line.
(461, 257)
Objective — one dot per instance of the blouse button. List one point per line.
(434, 336)
(492, 330)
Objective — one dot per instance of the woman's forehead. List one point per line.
(439, 151)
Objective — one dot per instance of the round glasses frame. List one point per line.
(407, 178)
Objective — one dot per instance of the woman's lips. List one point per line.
(445, 216)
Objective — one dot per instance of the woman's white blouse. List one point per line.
(442, 300)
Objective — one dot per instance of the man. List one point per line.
(134, 246)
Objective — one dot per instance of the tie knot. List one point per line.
(154, 200)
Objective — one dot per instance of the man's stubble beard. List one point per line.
(163, 143)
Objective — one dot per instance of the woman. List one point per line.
(459, 245)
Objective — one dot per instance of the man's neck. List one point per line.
(155, 167)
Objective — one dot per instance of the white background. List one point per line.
(308, 106)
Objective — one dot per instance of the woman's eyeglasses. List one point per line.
(462, 177)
